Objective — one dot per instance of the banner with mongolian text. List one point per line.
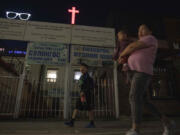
(47, 53)
(94, 56)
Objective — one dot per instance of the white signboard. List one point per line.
(48, 32)
(47, 53)
(13, 30)
(94, 56)
(56, 33)
(97, 36)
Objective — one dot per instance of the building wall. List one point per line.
(172, 26)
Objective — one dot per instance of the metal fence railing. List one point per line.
(42, 100)
(103, 99)
(46, 99)
(8, 93)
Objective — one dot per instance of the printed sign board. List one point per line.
(47, 53)
(94, 56)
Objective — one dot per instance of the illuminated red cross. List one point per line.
(74, 12)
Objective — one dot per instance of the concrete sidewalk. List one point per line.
(58, 128)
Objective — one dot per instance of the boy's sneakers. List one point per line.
(169, 129)
(69, 123)
(132, 132)
(90, 125)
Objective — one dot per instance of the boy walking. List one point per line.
(85, 101)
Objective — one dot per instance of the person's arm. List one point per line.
(133, 47)
(81, 85)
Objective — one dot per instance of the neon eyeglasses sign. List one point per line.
(14, 15)
(73, 11)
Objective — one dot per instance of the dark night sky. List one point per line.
(92, 12)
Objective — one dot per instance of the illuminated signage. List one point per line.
(73, 11)
(12, 51)
(17, 52)
(14, 15)
(2, 49)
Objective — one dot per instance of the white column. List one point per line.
(67, 92)
(19, 94)
(20, 84)
(116, 90)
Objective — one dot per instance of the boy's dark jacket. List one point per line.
(86, 84)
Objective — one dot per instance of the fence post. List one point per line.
(116, 90)
(19, 94)
(66, 92)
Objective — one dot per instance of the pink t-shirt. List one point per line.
(142, 60)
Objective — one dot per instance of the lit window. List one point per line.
(77, 75)
(51, 75)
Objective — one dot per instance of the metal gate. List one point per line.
(104, 95)
(8, 94)
(45, 99)
(42, 100)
